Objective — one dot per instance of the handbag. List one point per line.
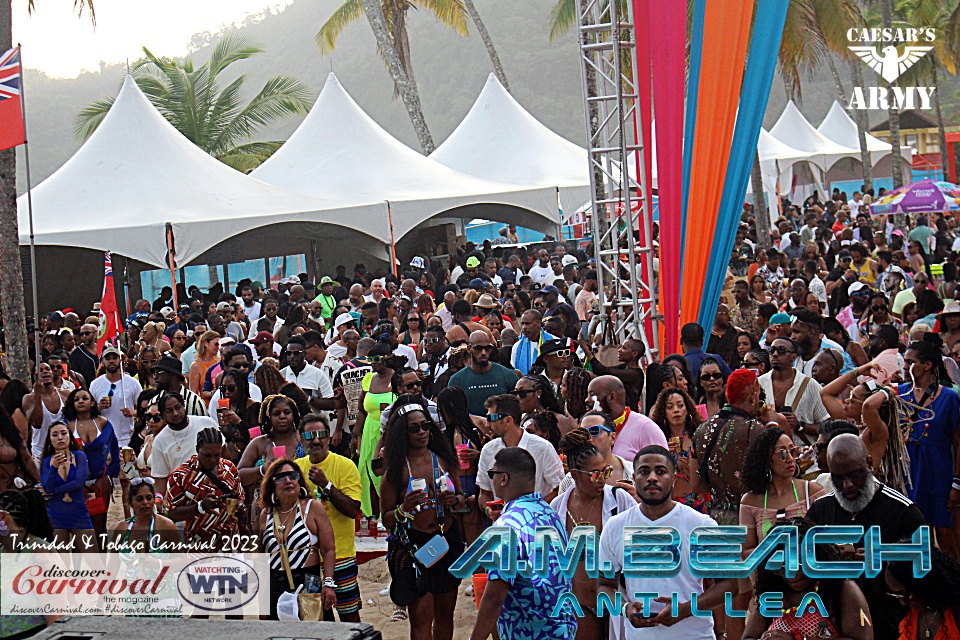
(309, 606)
(97, 501)
(427, 555)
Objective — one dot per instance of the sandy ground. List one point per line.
(377, 609)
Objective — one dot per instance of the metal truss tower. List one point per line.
(622, 223)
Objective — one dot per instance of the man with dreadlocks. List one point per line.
(720, 445)
(197, 493)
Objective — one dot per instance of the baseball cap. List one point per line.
(568, 259)
(167, 312)
(223, 306)
(550, 289)
(110, 350)
(473, 262)
(844, 253)
(261, 337)
(225, 340)
(780, 318)
(855, 287)
(342, 319)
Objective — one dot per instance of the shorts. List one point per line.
(347, 589)
(409, 580)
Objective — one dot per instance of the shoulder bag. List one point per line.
(309, 606)
(428, 554)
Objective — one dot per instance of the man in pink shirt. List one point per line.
(634, 431)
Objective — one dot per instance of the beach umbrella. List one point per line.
(925, 196)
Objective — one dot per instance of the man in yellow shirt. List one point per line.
(335, 481)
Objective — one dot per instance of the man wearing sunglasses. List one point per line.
(84, 358)
(335, 481)
(168, 376)
(311, 379)
(407, 381)
(796, 395)
(807, 332)
(483, 378)
(520, 606)
(634, 430)
(503, 416)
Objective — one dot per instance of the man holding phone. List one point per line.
(796, 396)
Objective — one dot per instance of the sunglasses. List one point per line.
(113, 387)
(413, 385)
(483, 347)
(153, 417)
(291, 352)
(229, 389)
(293, 476)
(522, 393)
(148, 363)
(783, 454)
(711, 376)
(878, 307)
(242, 365)
(560, 353)
(432, 340)
(135, 482)
(375, 359)
(493, 417)
(417, 427)
(595, 430)
(87, 333)
(597, 476)
(750, 363)
(780, 351)
(493, 472)
(315, 435)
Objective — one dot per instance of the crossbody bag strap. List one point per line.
(797, 398)
(283, 552)
(436, 489)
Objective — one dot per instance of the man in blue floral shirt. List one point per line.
(523, 606)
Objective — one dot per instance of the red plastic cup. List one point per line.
(479, 584)
(463, 447)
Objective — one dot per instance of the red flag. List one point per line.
(110, 325)
(12, 132)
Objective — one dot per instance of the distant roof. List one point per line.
(914, 119)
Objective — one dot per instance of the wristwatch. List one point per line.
(325, 491)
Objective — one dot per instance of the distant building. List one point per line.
(918, 129)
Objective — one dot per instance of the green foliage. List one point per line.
(214, 118)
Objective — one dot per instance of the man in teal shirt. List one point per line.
(482, 378)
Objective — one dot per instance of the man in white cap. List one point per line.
(341, 325)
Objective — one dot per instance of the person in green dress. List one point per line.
(376, 395)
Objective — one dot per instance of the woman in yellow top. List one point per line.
(376, 395)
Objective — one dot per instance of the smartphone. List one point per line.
(787, 409)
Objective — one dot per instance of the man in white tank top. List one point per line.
(43, 407)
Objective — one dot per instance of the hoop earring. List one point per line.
(303, 492)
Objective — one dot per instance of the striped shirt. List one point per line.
(300, 541)
(193, 403)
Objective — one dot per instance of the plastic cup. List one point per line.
(254, 432)
(280, 452)
(463, 447)
(479, 584)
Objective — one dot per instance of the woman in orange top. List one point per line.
(933, 600)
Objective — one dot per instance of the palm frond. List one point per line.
(78, 6)
(449, 13)
(326, 39)
(232, 48)
(833, 19)
(280, 96)
(247, 157)
(563, 16)
(90, 117)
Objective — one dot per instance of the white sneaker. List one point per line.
(468, 591)
(386, 591)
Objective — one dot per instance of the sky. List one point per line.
(56, 42)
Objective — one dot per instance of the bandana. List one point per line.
(622, 420)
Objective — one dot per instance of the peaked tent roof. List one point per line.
(793, 130)
(772, 150)
(137, 173)
(499, 140)
(340, 152)
(839, 127)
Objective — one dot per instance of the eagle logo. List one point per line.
(890, 63)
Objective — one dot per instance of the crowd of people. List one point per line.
(429, 405)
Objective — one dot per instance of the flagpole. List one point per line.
(33, 246)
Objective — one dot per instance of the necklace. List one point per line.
(930, 620)
(579, 522)
(286, 516)
(177, 440)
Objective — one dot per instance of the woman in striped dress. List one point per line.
(295, 525)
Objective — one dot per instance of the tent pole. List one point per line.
(172, 264)
(560, 237)
(33, 246)
(393, 241)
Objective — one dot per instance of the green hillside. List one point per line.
(544, 76)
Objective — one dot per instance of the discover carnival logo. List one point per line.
(878, 48)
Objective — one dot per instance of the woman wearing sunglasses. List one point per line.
(146, 531)
(146, 360)
(876, 315)
(537, 394)
(413, 326)
(589, 501)
(712, 385)
(153, 424)
(677, 415)
(239, 413)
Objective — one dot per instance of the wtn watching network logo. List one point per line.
(883, 56)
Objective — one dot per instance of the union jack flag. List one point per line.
(12, 132)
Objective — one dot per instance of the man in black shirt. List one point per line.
(84, 359)
(859, 499)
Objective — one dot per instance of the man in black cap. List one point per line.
(168, 376)
(551, 300)
(183, 322)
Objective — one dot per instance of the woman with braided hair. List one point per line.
(24, 525)
(279, 417)
(589, 502)
(536, 394)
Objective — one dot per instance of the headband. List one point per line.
(407, 408)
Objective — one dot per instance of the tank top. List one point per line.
(40, 435)
(300, 541)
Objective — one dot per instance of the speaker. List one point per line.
(116, 628)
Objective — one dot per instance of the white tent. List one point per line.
(793, 130)
(137, 173)
(499, 140)
(340, 152)
(840, 128)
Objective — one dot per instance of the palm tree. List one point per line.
(213, 118)
(11, 272)
(886, 18)
(488, 43)
(388, 20)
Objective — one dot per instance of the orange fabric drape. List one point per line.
(725, 39)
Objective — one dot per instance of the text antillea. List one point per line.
(711, 552)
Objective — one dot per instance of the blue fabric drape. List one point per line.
(690, 119)
(758, 77)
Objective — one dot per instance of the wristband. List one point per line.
(330, 582)
(772, 423)
(956, 484)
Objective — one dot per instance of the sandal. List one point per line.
(399, 614)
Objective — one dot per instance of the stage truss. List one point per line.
(622, 241)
